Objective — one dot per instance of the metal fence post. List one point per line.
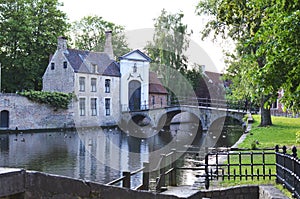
(276, 162)
(294, 150)
(206, 172)
(284, 157)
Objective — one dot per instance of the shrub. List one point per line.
(298, 137)
(54, 99)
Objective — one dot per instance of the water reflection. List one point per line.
(94, 154)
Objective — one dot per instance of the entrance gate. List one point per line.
(134, 95)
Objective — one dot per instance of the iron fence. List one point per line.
(242, 164)
(288, 170)
(229, 164)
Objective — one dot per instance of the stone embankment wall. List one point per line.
(26, 114)
(18, 183)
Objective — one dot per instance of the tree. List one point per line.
(256, 66)
(89, 34)
(29, 31)
(170, 40)
(279, 38)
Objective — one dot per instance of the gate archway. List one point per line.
(134, 95)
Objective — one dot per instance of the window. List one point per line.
(65, 64)
(93, 84)
(107, 107)
(82, 106)
(94, 68)
(52, 66)
(274, 105)
(81, 83)
(94, 106)
(107, 85)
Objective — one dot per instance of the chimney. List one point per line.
(61, 43)
(108, 49)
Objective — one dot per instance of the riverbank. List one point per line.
(282, 133)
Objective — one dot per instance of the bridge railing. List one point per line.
(240, 106)
(215, 103)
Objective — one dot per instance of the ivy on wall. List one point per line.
(55, 99)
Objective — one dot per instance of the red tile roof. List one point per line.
(155, 86)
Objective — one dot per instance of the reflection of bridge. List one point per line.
(205, 113)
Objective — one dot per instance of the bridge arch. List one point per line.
(165, 119)
(189, 130)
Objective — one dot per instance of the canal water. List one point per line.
(98, 154)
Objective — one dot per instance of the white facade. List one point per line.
(134, 67)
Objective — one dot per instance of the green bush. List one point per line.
(55, 99)
(298, 137)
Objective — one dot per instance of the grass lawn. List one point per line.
(283, 132)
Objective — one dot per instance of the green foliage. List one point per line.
(29, 31)
(170, 40)
(298, 137)
(89, 34)
(267, 48)
(55, 99)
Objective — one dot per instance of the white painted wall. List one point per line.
(127, 75)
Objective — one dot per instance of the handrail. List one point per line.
(116, 181)
(201, 102)
(125, 178)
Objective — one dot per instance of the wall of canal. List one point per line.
(19, 183)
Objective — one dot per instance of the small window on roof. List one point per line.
(65, 64)
(94, 68)
(52, 66)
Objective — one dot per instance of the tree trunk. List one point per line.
(265, 113)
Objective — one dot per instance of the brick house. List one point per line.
(157, 93)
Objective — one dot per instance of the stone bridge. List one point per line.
(205, 116)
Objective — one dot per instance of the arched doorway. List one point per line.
(134, 95)
(4, 119)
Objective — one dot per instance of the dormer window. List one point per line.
(94, 68)
(65, 64)
(52, 66)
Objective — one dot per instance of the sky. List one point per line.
(137, 18)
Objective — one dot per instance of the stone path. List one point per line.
(181, 191)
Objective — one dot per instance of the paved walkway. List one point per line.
(181, 191)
